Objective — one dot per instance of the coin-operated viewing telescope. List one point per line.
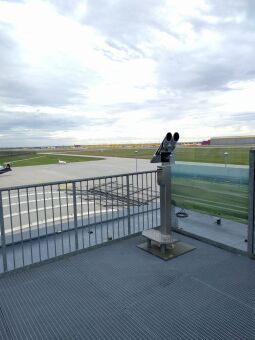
(166, 148)
(162, 237)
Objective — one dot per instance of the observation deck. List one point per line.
(118, 291)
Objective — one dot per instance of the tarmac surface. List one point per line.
(60, 172)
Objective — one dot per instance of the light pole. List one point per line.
(226, 158)
(136, 152)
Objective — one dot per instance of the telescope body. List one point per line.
(167, 146)
(163, 155)
(164, 245)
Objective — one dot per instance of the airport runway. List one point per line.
(79, 170)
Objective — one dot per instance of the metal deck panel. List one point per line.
(121, 292)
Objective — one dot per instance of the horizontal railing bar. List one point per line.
(74, 180)
(64, 231)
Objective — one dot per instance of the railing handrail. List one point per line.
(43, 184)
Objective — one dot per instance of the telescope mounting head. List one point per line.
(167, 146)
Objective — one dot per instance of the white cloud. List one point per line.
(125, 70)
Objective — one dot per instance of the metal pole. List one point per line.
(164, 181)
(226, 158)
(251, 207)
(75, 216)
(136, 160)
(128, 206)
(3, 244)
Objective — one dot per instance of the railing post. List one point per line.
(75, 216)
(3, 244)
(251, 207)
(128, 205)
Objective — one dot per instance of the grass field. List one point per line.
(228, 200)
(122, 152)
(239, 156)
(39, 159)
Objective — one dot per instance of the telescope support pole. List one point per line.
(164, 181)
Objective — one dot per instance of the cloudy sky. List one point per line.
(116, 71)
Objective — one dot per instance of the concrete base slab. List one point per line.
(179, 248)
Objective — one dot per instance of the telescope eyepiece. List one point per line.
(168, 136)
(176, 136)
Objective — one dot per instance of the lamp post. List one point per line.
(226, 158)
(136, 152)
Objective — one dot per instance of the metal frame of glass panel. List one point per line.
(251, 209)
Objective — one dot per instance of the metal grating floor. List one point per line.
(121, 292)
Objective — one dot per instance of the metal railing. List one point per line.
(40, 222)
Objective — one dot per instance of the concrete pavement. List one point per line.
(62, 172)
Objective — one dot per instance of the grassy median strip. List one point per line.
(236, 155)
(40, 159)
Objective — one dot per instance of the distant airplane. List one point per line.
(61, 162)
(5, 168)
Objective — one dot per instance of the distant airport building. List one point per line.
(206, 142)
(241, 140)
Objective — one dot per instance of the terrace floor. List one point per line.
(119, 291)
(229, 234)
